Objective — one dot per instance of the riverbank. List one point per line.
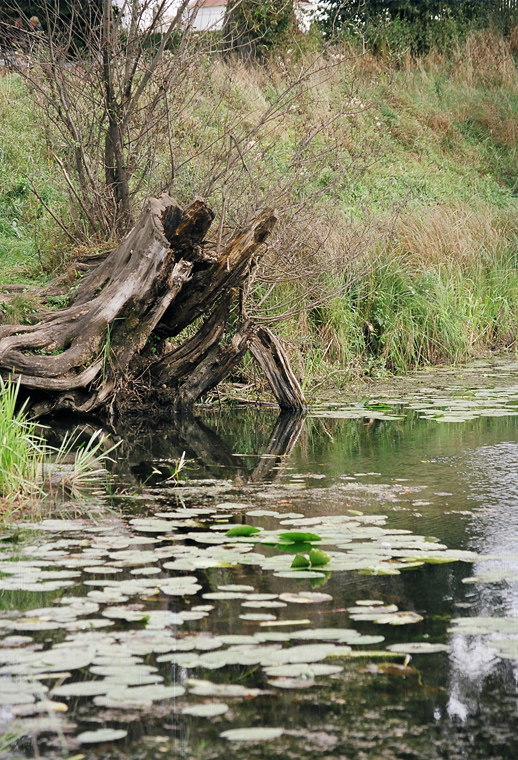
(415, 246)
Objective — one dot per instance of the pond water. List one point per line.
(343, 583)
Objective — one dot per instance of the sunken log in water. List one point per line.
(94, 356)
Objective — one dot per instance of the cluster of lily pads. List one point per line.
(446, 404)
(126, 588)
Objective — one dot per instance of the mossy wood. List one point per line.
(94, 355)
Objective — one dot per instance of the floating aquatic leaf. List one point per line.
(263, 513)
(16, 698)
(242, 530)
(418, 647)
(206, 710)
(366, 613)
(302, 670)
(44, 706)
(307, 597)
(298, 574)
(82, 689)
(273, 623)
(300, 562)
(296, 537)
(183, 659)
(208, 689)
(507, 648)
(252, 734)
(300, 653)
(283, 682)
(101, 735)
(123, 613)
(340, 635)
(224, 595)
(473, 626)
(152, 525)
(317, 557)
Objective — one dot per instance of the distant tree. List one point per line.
(335, 14)
(101, 76)
(254, 27)
(66, 11)
(414, 25)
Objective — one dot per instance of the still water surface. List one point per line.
(370, 480)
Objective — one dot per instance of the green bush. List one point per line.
(252, 28)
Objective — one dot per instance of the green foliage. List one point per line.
(437, 146)
(30, 468)
(396, 27)
(21, 449)
(243, 530)
(252, 28)
(315, 558)
(296, 536)
(28, 234)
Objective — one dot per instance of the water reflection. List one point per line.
(455, 481)
(251, 452)
(491, 483)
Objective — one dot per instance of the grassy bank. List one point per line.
(398, 245)
(35, 475)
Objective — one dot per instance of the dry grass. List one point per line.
(443, 234)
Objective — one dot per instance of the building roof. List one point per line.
(208, 3)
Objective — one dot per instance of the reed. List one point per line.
(32, 472)
(22, 451)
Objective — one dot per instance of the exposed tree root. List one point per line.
(162, 278)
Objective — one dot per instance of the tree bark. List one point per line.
(110, 347)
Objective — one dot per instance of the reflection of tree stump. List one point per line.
(96, 354)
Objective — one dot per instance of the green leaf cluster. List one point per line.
(252, 28)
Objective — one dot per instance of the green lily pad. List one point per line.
(317, 558)
(296, 537)
(300, 562)
(243, 530)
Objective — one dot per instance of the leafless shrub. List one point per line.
(141, 104)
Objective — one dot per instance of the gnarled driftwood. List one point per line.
(94, 355)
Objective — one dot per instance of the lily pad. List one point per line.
(242, 530)
(82, 689)
(296, 537)
(210, 689)
(418, 647)
(252, 734)
(206, 710)
(102, 735)
(317, 557)
(306, 597)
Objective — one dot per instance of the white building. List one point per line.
(209, 14)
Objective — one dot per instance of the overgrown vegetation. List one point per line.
(397, 245)
(31, 471)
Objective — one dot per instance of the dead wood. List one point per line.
(112, 342)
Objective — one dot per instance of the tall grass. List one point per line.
(22, 451)
(431, 141)
(31, 470)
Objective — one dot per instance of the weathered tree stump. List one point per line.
(94, 356)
